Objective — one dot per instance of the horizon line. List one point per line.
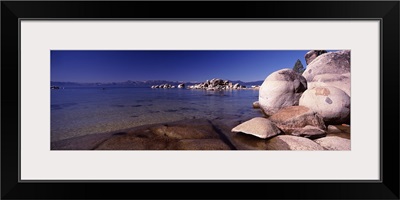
(147, 80)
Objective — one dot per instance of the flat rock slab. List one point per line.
(310, 132)
(241, 141)
(259, 127)
(334, 143)
(292, 118)
(183, 131)
(86, 142)
(288, 142)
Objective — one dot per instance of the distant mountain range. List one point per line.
(139, 83)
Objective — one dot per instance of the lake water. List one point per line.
(82, 111)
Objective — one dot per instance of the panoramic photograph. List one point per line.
(291, 100)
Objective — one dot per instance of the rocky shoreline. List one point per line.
(299, 108)
(198, 134)
(308, 111)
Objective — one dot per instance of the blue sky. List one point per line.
(171, 65)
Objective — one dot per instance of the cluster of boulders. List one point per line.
(213, 84)
(305, 105)
(163, 86)
(217, 84)
(168, 86)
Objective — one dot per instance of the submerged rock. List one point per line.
(196, 134)
(184, 132)
(281, 89)
(196, 144)
(134, 141)
(259, 127)
(86, 142)
(256, 104)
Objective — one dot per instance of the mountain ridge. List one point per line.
(130, 83)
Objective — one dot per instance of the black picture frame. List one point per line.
(386, 11)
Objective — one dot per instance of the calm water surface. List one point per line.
(82, 111)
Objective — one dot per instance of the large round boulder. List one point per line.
(311, 55)
(329, 69)
(341, 81)
(281, 89)
(331, 103)
(329, 63)
(293, 118)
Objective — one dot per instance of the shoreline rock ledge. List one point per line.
(293, 118)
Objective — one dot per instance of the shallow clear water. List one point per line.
(82, 111)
